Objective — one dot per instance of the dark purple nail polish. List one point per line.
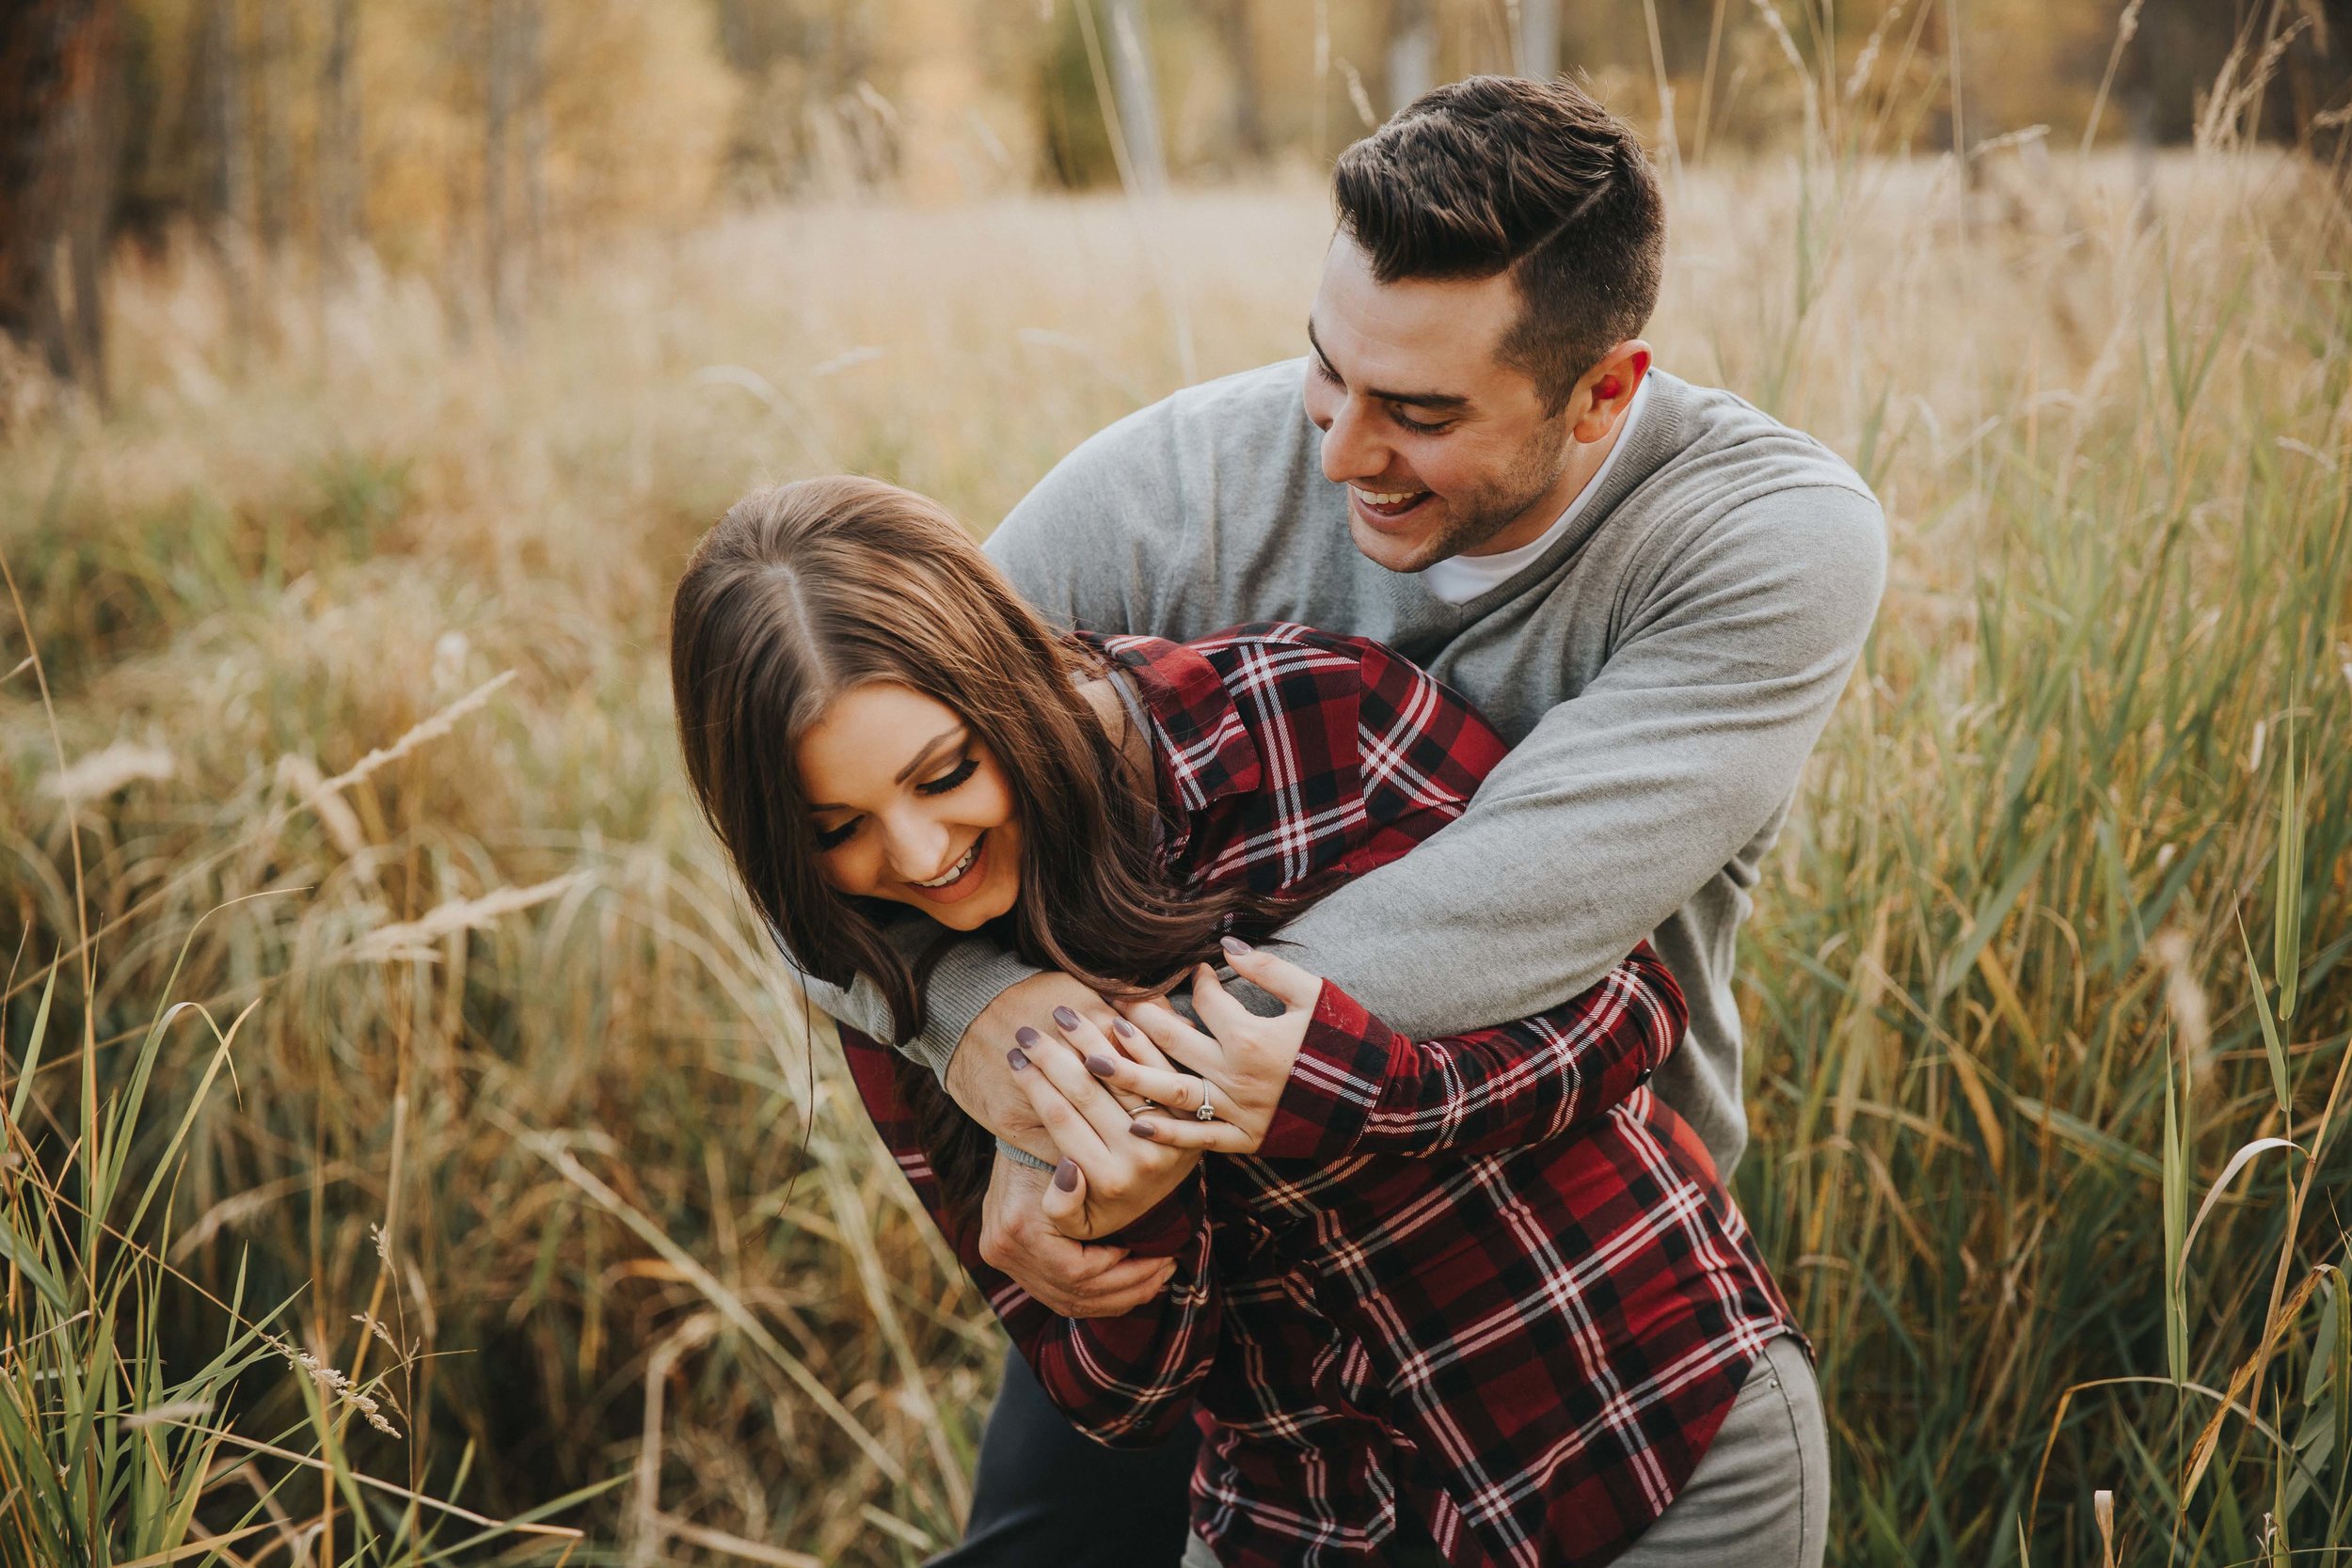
(1064, 1017)
(1018, 1057)
(1101, 1067)
(1141, 1130)
(1124, 1029)
(1066, 1176)
(1235, 945)
(1027, 1035)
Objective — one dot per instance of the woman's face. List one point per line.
(911, 805)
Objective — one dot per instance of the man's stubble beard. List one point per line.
(1474, 519)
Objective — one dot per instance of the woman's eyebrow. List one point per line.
(930, 748)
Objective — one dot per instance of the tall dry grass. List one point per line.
(374, 626)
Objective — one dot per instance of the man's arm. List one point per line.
(1625, 799)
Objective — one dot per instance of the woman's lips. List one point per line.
(963, 886)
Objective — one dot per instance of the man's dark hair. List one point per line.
(1497, 173)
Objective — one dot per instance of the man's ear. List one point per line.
(1607, 389)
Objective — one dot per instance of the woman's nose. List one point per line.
(918, 846)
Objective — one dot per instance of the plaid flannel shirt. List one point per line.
(1489, 1279)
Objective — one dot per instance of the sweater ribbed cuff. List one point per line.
(968, 978)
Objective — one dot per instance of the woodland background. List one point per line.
(413, 1154)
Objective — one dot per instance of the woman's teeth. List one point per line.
(956, 870)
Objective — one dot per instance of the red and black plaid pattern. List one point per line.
(1489, 1280)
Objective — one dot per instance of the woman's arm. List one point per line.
(1124, 1380)
(1326, 1079)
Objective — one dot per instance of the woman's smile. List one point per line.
(962, 879)
(909, 804)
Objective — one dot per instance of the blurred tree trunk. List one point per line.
(530, 45)
(1241, 51)
(499, 85)
(513, 134)
(229, 195)
(59, 60)
(342, 183)
(273, 138)
(1412, 55)
(1137, 92)
(1536, 50)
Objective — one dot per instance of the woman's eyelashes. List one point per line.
(949, 780)
(834, 838)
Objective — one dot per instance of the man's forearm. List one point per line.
(970, 976)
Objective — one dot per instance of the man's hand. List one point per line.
(1073, 1279)
(978, 1078)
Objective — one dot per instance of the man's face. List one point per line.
(1444, 449)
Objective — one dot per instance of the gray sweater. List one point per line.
(1660, 673)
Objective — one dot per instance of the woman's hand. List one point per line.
(1110, 1176)
(1243, 1064)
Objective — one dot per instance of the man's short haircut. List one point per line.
(1498, 173)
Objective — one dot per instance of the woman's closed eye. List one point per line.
(950, 779)
(839, 835)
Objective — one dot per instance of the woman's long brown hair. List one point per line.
(807, 590)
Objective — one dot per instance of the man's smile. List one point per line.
(1386, 507)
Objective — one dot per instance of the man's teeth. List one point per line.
(956, 870)
(1399, 499)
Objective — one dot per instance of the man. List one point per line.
(1654, 590)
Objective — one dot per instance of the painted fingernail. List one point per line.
(1141, 1130)
(1124, 1029)
(1027, 1035)
(1064, 1017)
(1101, 1067)
(1018, 1057)
(1066, 1176)
(1235, 945)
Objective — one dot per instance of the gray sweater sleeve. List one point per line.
(1638, 789)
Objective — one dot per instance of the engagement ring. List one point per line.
(1207, 1111)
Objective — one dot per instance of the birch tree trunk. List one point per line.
(1138, 93)
(1538, 47)
(1412, 54)
(1240, 51)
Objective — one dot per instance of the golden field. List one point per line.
(350, 631)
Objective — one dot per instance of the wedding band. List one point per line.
(1207, 1111)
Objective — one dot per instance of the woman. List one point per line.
(1484, 1292)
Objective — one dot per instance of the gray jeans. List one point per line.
(1760, 1498)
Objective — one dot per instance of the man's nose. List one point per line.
(1350, 451)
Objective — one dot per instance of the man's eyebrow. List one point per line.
(930, 749)
(1454, 400)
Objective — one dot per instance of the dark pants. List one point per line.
(1044, 1495)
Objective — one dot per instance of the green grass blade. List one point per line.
(32, 1049)
(2272, 1047)
(2288, 934)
